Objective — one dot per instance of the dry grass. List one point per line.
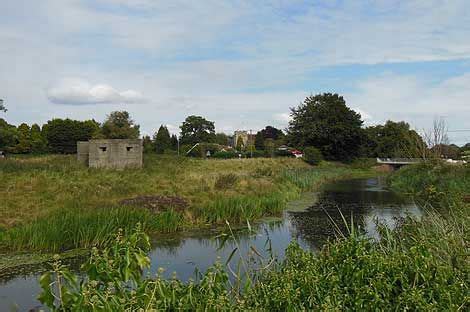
(34, 187)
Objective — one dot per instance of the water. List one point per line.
(366, 201)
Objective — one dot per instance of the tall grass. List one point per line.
(82, 229)
(241, 208)
(400, 272)
(54, 203)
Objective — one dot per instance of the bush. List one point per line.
(312, 155)
(225, 155)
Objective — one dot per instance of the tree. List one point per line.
(2, 106)
(24, 139)
(119, 125)
(221, 139)
(312, 155)
(8, 136)
(451, 151)
(148, 144)
(62, 134)
(162, 140)
(325, 122)
(174, 142)
(394, 139)
(38, 141)
(268, 132)
(196, 129)
(436, 137)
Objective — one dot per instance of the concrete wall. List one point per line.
(115, 153)
(83, 152)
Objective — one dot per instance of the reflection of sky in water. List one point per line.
(365, 200)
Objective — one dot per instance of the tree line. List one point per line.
(322, 126)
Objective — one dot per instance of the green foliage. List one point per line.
(394, 139)
(225, 154)
(62, 134)
(51, 195)
(8, 135)
(421, 265)
(196, 129)
(221, 139)
(268, 132)
(38, 141)
(119, 125)
(241, 208)
(162, 140)
(148, 144)
(312, 155)
(326, 122)
(24, 140)
(83, 229)
(436, 182)
(174, 142)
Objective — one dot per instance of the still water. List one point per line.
(310, 221)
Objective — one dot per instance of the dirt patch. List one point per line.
(466, 198)
(157, 203)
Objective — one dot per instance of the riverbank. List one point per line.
(52, 203)
(421, 265)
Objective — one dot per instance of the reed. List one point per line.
(52, 203)
(84, 229)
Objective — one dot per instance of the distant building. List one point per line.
(111, 153)
(246, 138)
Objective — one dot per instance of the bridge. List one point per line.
(396, 163)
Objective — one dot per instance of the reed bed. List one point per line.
(52, 203)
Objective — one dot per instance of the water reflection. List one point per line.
(365, 200)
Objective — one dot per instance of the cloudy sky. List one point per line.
(242, 64)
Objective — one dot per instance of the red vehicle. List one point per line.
(296, 153)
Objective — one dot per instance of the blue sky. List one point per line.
(242, 64)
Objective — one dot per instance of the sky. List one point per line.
(241, 64)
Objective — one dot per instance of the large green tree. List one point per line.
(162, 140)
(325, 122)
(174, 142)
(393, 139)
(196, 129)
(38, 141)
(119, 125)
(24, 139)
(268, 132)
(62, 134)
(221, 138)
(8, 136)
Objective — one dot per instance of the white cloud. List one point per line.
(283, 117)
(405, 97)
(79, 92)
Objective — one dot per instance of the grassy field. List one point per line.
(53, 203)
(420, 266)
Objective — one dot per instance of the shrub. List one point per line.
(225, 154)
(312, 155)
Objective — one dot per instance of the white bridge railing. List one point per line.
(398, 161)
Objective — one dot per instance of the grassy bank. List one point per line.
(52, 203)
(421, 266)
